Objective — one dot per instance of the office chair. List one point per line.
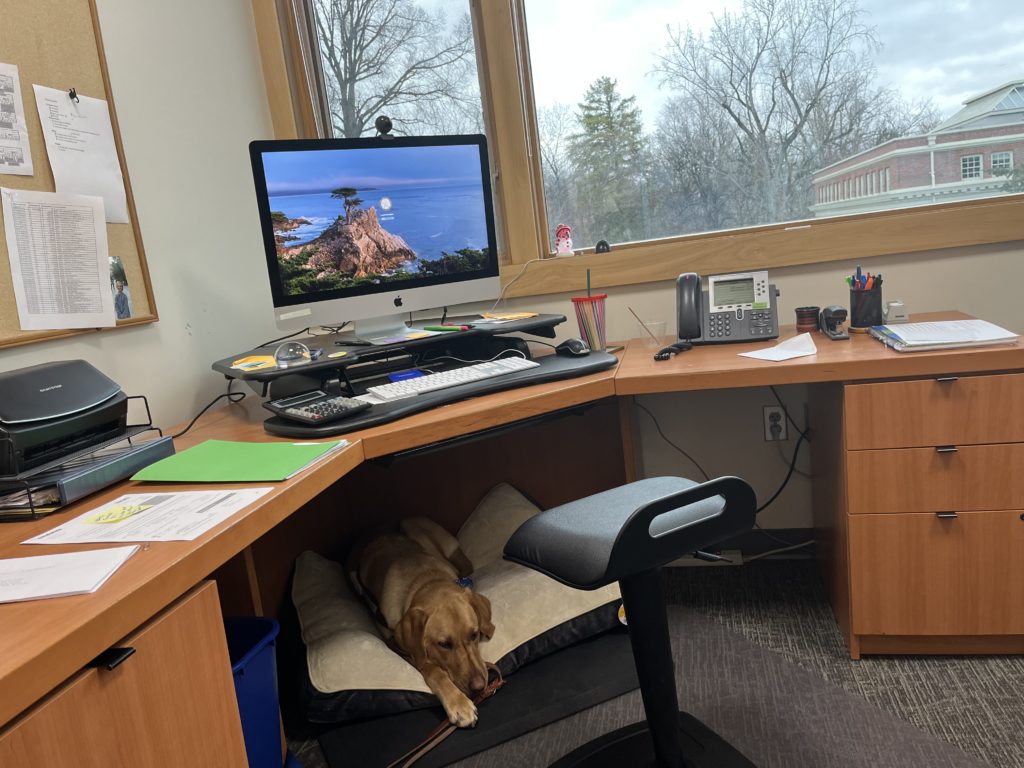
(627, 535)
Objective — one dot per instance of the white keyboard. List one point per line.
(410, 387)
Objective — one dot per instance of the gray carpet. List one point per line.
(778, 715)
(760, 660)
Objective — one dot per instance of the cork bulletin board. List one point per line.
(57, 43)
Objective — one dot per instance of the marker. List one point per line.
(445, 328)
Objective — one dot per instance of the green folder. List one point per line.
(225, 461)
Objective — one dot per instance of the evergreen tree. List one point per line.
(607, 157)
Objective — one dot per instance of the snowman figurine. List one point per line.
(563, 240)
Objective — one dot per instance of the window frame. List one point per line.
(975, 159)
(510, 118)
(1008, 153)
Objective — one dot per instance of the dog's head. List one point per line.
(445, 626)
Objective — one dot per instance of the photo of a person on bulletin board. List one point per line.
(119, 285)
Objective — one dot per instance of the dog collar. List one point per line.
(464, 581)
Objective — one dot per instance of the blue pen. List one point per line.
(858, 276)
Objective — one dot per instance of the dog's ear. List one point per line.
(409, 632)
(482, 606)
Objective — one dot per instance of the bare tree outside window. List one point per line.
(409, 60)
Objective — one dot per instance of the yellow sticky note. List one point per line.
(118, 512)
(508, 315)
(255, 363)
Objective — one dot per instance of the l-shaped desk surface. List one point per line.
(44, 642)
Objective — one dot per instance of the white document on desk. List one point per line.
(60, 266)
(15, 151)
(71, 573)
(798, 346)
(80, 144)
(180, 516)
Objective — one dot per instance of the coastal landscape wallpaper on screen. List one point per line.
(344, 218)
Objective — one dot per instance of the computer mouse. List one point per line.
(573, 348)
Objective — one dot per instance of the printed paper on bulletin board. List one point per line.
(57, 43)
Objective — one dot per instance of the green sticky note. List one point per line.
(226, 461)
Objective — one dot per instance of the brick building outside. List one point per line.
(970, 155)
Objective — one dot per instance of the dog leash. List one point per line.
(445, 729)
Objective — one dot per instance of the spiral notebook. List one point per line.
(943, 334)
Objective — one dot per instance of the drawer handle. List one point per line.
(946, 378)
(945, 449)
(946, 515)
(112, 657)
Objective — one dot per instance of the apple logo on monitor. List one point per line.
(398, 301)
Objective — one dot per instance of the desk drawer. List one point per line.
(924, 575)
(170, 704)
(934, 480)
(961, 411)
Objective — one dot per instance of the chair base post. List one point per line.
(632, 746)
(644, 601)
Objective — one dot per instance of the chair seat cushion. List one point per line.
(573, 543)
(353, 674)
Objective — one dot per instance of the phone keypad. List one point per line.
(720, 325)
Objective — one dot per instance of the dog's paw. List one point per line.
(462, 713)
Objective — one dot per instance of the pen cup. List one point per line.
(865, 309)
(590, 316)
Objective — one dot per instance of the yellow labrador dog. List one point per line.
(414, 577)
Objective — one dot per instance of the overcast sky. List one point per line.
(946, 51)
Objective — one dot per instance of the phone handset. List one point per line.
(688, 312)
(689, 307)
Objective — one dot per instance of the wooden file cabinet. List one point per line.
(919, 511)
(172, 703)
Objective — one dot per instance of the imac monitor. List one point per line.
(369, 229)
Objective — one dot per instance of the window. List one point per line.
(1002, 163)
(648, 149)
(411, 60)
(970, 167)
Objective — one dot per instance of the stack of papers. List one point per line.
(943, 334)
(74, 573)
(226, 461)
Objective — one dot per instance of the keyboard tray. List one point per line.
(551, 368)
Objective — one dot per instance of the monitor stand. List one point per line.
(381, 331)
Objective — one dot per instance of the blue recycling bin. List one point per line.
(251, 642)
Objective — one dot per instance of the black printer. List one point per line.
(55, 410)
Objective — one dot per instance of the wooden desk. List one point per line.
(44, 643)
(861, 358)
(927, 556)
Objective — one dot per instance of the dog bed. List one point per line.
(353, 674)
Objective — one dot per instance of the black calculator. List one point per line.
(316, 407)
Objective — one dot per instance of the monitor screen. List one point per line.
(375, 217)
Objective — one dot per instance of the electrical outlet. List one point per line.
(774, 423)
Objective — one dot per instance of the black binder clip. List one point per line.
(73, 95)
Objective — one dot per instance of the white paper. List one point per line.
(951, 331)
(80, 145)
(15, 152)
(152, 517)
(57, 245)
(798, 346)
(72, 573)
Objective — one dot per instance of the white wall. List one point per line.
(189, 93)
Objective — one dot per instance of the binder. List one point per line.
(946, 334)
(82, 477)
